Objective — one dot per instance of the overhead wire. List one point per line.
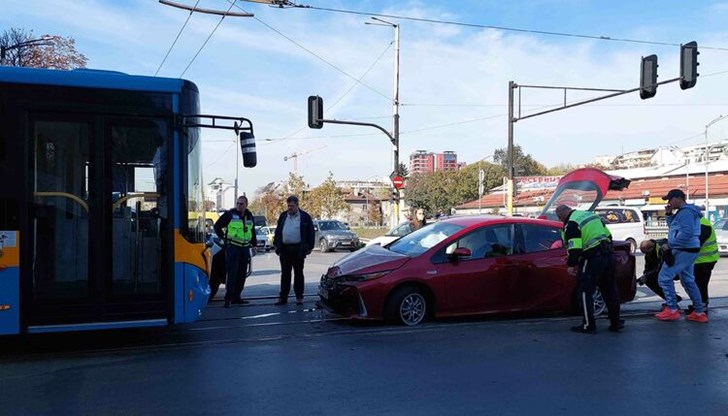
(506, 28)
(207, 40)
(176, 38)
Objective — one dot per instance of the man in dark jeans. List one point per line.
(293, 241)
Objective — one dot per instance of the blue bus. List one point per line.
(101, 204)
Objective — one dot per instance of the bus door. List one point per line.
(98, 254)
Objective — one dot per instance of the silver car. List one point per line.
(721, 233)
(333, 235)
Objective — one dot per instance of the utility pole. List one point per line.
(395, 108)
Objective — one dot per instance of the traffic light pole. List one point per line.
(513, 119)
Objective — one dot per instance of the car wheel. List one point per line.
(632, 245)
(407, 306)
(599, 304)
(323, 245)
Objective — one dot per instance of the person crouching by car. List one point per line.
(653, 263)
(683, 244)
(589, 247)
(293, 241)
(237, 228)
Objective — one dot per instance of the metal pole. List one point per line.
(509, 204)
(237, 157)
(395, 108)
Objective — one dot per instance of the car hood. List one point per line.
(721, 236)
(583, 189)
(382, 240)
(369, 259)
(339, 233)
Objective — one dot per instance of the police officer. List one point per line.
(652, 249)
(237, 228)
(589, 246)
(707, 257)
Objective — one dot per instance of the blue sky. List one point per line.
(453, 85)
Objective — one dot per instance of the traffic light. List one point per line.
(315, 112)
(689, 65)
(395, 195)
(648, 77)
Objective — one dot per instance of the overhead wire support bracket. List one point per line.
(205, 11)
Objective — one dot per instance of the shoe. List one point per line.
(697, 317)
(227, 304)
(617, 327)
(281, 302)
(299, 301)
(668, 314)
(581, 330)
(241, 302)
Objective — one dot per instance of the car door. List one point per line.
(541, 259)
(483, 282)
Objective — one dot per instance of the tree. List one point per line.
(296, 186)
(268, 201)
(374, 213)
(524, 165)
(327, 199)
(46, 51)
(403, 171)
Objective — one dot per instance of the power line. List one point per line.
(506, 28)
(177, 38)
(206, 40)
(314, 54)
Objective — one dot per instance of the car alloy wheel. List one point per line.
(412, 309)
(599, 304)
(323, 245)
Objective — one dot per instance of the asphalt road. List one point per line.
(260, 359)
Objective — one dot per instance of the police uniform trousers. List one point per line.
(237, 258)
(702, 272)
(597, 269)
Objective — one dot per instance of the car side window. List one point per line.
(539, 237)
(490, 241)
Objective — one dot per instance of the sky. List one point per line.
(454, 78)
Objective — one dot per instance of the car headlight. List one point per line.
(365, 277)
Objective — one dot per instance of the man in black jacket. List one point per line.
(652, 249)
(237, 228)
(293, 241)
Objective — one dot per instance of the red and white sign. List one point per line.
(398, 182)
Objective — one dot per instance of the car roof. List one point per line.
(475, 220)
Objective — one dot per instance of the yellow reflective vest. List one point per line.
(709, 250)
(593, 230)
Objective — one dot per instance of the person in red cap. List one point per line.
(680, 252)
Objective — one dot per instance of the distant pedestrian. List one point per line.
(419, 220)
(680, 253)
(236, 227)
(293, 241)
(590, 251)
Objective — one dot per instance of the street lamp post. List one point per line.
(395, 104)
(42, 41)
(707, 160)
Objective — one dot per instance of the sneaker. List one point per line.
(581, 330)
(668, 314)
(299, 301)
(617, 327)
(697, 317)
(281, 302)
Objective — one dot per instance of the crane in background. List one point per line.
(294, 156)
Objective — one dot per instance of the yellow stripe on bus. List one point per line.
(11, 255)
(190, 253)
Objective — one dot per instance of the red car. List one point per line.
(464, 266)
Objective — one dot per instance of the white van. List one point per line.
(625, 223)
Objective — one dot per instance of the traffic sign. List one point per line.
(398, 182)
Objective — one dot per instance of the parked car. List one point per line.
(333, 235)
(270, 232)
(262, 242)
(625, 223)
(721, 234)
(463, 266)
(391, 235)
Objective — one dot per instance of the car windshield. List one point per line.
(331, 225)
(721, 224)
(400, 230)
(423, 239)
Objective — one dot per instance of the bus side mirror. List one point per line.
(247, 146)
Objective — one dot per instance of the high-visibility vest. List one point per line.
(240, 231)
(593, 230)
(709, 250)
